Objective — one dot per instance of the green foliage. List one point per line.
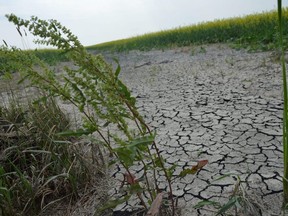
(255, 31)
(94, 88)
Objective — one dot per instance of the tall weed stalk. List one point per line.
(105, 103)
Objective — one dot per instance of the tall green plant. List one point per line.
(102, 99)
(285, 111)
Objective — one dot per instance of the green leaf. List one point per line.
(223, 176)
(200, 164)
(41, 99)
(141, 143)
(112, 162)
(157, 160)
(126, 155)
(227, 206)
(136, 188)
(118, 68)
(124, 90)
(27, 185)
(171, 170)
(64, 175)
(185, 172)
(205, 203)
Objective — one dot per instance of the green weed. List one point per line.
(108, 109)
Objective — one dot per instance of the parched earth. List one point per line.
(218, 104)
(215, 103)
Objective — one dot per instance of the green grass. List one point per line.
(256, 31)
(51, 56)
(38, 167)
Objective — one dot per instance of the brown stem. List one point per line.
(158, 155)
(147, 181)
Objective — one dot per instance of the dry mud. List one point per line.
(218, 104)
(215, 103)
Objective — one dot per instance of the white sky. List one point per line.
(97, 21)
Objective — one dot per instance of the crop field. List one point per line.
(254, 32)
(257, 31)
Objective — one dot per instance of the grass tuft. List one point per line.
(38, 167)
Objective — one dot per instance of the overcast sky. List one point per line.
(97, 21)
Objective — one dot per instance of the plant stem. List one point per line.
(160, 159)
(285, 111)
